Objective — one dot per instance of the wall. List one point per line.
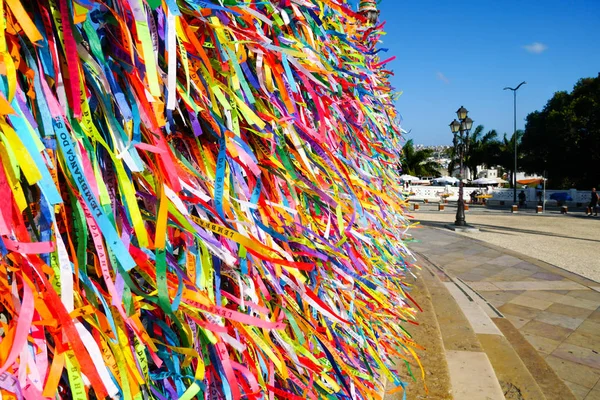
(432, 193)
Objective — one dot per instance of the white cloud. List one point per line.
(536, 47)
(442, 77)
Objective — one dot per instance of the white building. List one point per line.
(490, 173)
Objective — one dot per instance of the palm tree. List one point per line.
(479, 151)
(415, 162)
(504, 154)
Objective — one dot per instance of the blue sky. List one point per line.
(453, 53)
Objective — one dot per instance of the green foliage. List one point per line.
(481, 149)
(448, 152)
(414, 162)
(564, 138)
(503, 153)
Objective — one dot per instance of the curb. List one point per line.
(522, 373)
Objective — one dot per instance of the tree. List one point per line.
(480, 149)
(502, 153)
(564, 138)
(415, 162)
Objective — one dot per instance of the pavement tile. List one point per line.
(579, 391)
(570, 311)
(573, 301)
(530, 279)
(469, 277)
(540, 285)
(492, 279)
(527, 266)
(595, 316)
(505, 261)
(511, 277)
(542, 344)
(451, 256)
(585, 339)
(559, 319)
(586, 294)
(512, 274)
(491, 267)
(546, 276)
(447, 253)
(483, 287)
(593, 395)
(461, 264)
(497, 298)
(531, 302)
(481, 259)
(519, 311)
(504, 270)
(578, 354)
(491, 253)
(473, 249)
(590, 327)
(439, 256)
(518, 322)
(485, 272)
(574, 372)
(495, 303)
(548, 295)
(546, 330)
(457, 271)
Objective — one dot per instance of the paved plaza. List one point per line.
(557, 311)
(569, 241)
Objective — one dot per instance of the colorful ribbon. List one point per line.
(198, 200)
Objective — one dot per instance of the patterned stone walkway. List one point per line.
(557, 311)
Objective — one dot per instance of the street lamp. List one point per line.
(368, 8)
(515, 138)
(460, 129)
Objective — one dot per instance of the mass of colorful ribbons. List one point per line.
(199, 199)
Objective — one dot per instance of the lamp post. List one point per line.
(461, 129)
(514, 180)
(368, 8)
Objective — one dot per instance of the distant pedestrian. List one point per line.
(474, 195)
(593, 207)
(522, 199)
(539, 194)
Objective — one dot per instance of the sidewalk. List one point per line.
(558, 312)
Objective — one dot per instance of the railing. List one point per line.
(434, 193)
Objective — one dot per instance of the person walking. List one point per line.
(522, 199)
(593, 207)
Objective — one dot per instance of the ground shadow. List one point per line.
(442, 225)
(508, 230)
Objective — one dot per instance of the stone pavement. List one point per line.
(557, 311)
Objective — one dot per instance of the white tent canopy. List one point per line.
(423, 182)
(409, 178)
(446, 180)
(486, 181)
